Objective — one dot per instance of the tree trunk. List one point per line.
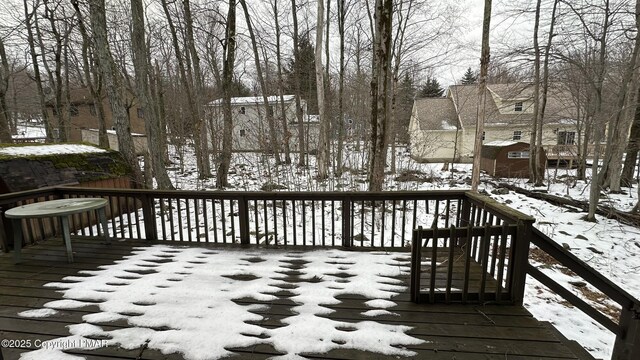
(624, 117)
(197, 112)
(533, 148)
(28, 23)
(633, 146)
(5, 116)
(274, 148)
(482, 94)
(142, 73)
(341, 20)
(113, 87)
(296, 84)
(94, 84)
(202, 161)
(323, 141)
(599, 118)
(380, 87)
(227, 81)
(283, 110)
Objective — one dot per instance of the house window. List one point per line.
(140, 113)
(566, 137)
(517, 135)
(518, 106)
(483, 134)
(243, 110)
(73, 110)
(518, 155)
(242, 133)
(92, 110)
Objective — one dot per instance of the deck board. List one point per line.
(451, 331)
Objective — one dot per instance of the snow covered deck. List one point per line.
(131, 300)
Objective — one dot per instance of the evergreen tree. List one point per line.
(431, 88)
(307, 72)
(469, 77)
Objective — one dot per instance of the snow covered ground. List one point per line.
(608, 246)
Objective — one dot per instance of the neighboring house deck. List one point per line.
(443, 129)
(458, 291)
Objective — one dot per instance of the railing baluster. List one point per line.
(266, 221)
(450, 260)
(393, 223)
(162, 218)
(214, 212)
(181, 219)
(196, 210)
(382, 221)
(501, 260)
(275, 223)
(243, 218)
(404, 220)
(233, 221)
(295, 224)
(313, 222)
(284, 221)
(467, 263)
(484, 258)
(205, 215)
(373, 222)
(304, 222)
(256, 220)
(188, 216)
(322, 207)
(223, 218)
(434, 263)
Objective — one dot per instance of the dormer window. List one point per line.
(517, 106)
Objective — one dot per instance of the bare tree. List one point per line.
(323, 143)
(5, 116)
(29, 15)
(269, 111)
(113, 87)
(227, 80)
(482, 95)
(296, 81)
(285, 125)
(380, 91)
(141, 65)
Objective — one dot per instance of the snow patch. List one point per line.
(50, 149)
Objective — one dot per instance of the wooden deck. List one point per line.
(450, 331)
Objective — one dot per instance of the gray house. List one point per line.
(250, 126)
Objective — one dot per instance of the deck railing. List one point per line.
(452, 222)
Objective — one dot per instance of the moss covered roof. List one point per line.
(25, 167)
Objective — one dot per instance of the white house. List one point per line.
(443, 129)
(250, 126)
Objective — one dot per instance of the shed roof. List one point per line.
(490, 150)
(35, 166)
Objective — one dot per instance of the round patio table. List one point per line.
(61, 209)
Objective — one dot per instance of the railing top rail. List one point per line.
(498, 208)
(593, 277)
(278, 195)
(25, 195)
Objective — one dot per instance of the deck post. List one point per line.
(243, 213)
(520, 252)
(346, 221)
(148, 213)
(416, 259)
(627, 345)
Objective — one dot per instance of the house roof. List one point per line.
(252, 100)
(559, 108)
(436, 114)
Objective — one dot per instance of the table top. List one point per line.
(53, 208)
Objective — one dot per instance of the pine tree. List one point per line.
(431, 88)
(469, 77)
